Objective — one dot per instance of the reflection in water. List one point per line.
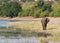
(53, 42)
(15, 21)
(3, 22)
(19, 40)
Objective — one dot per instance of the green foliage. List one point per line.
(38, 9)
(56, 11)
(10, 9)
(47, 7)
(29, 8)
(44, 13)
(14, 9)
(37, 13)
(24, 13)
(40, 3)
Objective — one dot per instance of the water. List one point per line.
(18, 40)
(1, 21)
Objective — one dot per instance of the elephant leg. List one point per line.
(44, 26)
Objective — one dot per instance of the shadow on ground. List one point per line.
(43, 34)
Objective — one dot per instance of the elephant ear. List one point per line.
(47, 19)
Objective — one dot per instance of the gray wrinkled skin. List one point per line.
(44, 22)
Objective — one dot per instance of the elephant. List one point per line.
(44, 22)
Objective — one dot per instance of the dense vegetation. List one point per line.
(9, 9)
(36, 9)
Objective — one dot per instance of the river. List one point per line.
(18, 40)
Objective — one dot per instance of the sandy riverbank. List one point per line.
(17, 18)
(25, 18)
(20, 18)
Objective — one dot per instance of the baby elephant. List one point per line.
(44, 22)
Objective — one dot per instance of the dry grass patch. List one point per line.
(34, 25)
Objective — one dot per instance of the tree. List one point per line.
(10, 9)
(47, 7)
(40, 3)
(56, 10)
(14, 9)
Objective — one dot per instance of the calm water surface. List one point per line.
(18, 40)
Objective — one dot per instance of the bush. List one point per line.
(37, 13)
(40, 3)
(23, 13)
(44, 13)
(47, 7)
(35, 9)
(10, 9)
(56, 11)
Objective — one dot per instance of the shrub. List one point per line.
(56, 11)
(44, 13)
(40, 3)
(37, 13)
(23, 13)
(10, 9)
(47, 7)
